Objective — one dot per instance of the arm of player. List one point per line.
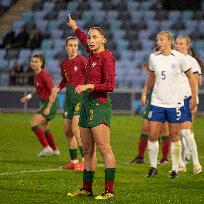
(79, 33)
(26, 98)
(148, 85)
(191, 80)
(52, 98)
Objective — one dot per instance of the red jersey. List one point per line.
(72, 71)
(43, 84)
(100, 69)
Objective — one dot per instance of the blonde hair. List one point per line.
(188, 42)
(169, 36)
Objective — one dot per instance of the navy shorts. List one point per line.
(187, 116)
(160, 114)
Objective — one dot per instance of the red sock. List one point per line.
(87, 186)
(50, 140)
(40, 135)
(109, 186)
(165, 148)
(142, 145)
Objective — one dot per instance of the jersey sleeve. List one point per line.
(185, 66)
(151, 67)
(109, 76)
(82, 38)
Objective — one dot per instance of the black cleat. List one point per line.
(137, 160)
(173, 174)
(152, 172)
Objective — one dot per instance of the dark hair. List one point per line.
(41, 57)
(99, 29)
(70, 38)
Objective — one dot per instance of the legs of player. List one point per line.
(139, 159)
(165, 142)
(175, 148)
(101, 134)
(153, 146)
(89, 148)
(36, 123)
(72, 145)
(76, 134)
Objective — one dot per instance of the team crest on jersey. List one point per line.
(75, 68)
(173, 66)
(93, 64)
(37, 84)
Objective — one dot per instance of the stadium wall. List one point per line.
(123, 100)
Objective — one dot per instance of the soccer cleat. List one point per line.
(182, 169)
(152, 172)
(173, 174)
(56, 152)
(81, 192)
(105, 196)
(70, 166)
(197, 169)
(79, 167)
(137, 160)
(47, 151)
(164, 161)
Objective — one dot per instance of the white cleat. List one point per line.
(47, 151)
(197, 169)
(56, 152)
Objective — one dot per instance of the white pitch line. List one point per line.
(29, 171)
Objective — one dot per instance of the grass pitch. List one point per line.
(26, 178)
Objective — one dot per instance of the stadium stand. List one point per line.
(130, 27)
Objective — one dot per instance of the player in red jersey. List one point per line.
(41, 120)
(96, 111)
(72, 71)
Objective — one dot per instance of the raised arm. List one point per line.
(79, 33)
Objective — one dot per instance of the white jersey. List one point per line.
(195, 68)
(167, 91)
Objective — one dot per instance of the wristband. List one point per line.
(29, 96)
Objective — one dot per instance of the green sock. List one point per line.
(144, 136)
(73, 154)
(81, 151)
(110, 174)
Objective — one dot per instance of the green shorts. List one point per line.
(53, 109)
(94, 113)
(71, 109)
(147, 107)
(72, 103)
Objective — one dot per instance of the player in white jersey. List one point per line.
(166, 67)
(187, 136)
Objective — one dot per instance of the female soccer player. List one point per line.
(183, 44)
(96, 111)
(166, 67)
(41, 120)
(72, 71)
(139, 159)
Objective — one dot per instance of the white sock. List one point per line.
(190, 140)
(175, 155)
(185, 150)
(153, 149)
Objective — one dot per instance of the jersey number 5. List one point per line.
(163, 73)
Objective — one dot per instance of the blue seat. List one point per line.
(47, 44)
(27, 16)
(4, 64)
(2, 53)
(48, 6)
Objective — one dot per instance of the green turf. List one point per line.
(19, 147)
